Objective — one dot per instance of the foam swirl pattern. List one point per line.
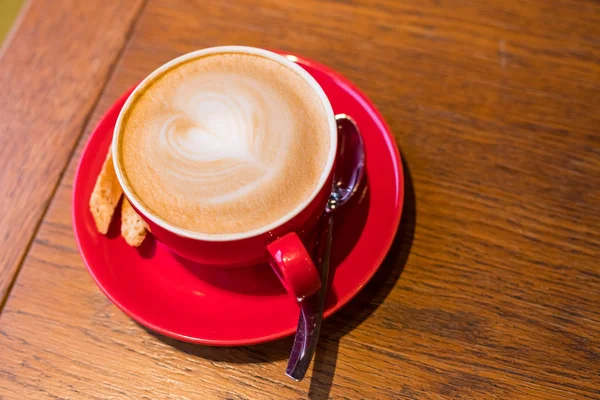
(225, 144)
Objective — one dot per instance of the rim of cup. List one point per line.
(115, 147)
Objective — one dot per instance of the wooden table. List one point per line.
(492, 289)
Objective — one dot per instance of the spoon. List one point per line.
(347, 176)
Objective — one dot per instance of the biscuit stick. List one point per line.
(105, 196)
(132, 226)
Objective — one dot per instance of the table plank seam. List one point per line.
(84, 126)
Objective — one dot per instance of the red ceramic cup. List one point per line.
(285, 244)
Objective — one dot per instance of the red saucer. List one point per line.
(225, 307)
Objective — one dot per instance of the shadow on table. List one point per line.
(333, 329)
(260, 353)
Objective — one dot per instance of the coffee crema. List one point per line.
(225, 143)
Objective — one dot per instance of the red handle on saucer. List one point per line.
(294, 267)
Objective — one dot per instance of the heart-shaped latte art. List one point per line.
(219, 136)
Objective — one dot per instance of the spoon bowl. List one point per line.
(350, 161)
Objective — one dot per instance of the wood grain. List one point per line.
(492, 289)
(52, 70)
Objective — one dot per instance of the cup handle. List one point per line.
(294, 267)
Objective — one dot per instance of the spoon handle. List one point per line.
(311, 310)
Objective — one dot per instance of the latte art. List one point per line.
(225, 143)
(219, 135)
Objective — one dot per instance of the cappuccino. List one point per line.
(224, 143)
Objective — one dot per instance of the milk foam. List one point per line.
(225, 143)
